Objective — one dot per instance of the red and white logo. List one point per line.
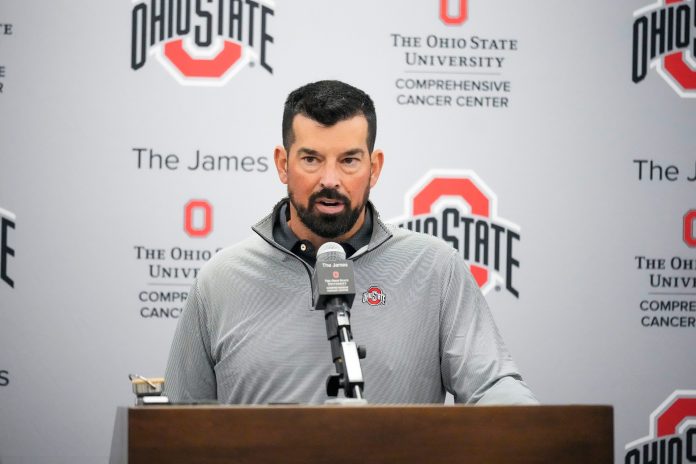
(374, 296)
(461, 209)
(201, 43)
(661, 40)
(454, 12)
(690, 228)
(198, 218)
(672, 435)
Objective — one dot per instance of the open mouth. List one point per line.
(329, 206)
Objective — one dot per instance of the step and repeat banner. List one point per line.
(552, 143)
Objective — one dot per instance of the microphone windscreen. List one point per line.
(331, 251)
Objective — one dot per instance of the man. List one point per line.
(248, 333)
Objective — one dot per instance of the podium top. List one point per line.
(370, 434)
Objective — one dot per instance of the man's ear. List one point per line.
(280, 157)
(376, 163)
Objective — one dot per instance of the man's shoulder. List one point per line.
(238, 256)
(417, 242)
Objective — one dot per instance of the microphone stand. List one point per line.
(345, 353)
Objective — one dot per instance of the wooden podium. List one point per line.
(364, 434)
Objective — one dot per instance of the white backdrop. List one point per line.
(536, 104)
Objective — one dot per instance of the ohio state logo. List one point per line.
(690, 228)
(454, 12)
(458, 207)
(374, 296)
(672, 437)
(662, 35)
(198, 218)
(201, 42)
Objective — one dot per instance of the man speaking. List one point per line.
(249, 334)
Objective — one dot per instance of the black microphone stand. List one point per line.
(345, 353)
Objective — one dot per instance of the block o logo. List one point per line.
(676, 65)
(690, 228)
(661, 39)
(469, 191)
(454, 18)
(215, 67)
(198, 218)
(458, 207)
(672, 432)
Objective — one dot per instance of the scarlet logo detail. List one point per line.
(458, 207)
(198, 218)
(661, 39)
(201, 42)
(690, 228)
(374, 296)
(672, 435)
(450, 17)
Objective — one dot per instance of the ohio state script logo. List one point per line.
(458, 207)
(201, 42)
(374, 296)
(672, 436)
(663, 38)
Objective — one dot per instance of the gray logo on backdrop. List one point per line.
(149, 159)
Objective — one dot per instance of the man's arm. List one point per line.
(476, 366)
(190, 374)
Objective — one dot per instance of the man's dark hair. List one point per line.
(329, 102)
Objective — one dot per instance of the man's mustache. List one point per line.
(329, 194)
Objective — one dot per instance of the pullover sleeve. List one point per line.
(190, 374)
(476, 366)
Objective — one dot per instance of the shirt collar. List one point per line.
(286, 238)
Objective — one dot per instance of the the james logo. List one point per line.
(458, 207)
(374, 296)
(201, 42)
(672, 436)
(662, 36)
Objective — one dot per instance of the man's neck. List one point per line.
(304, 233)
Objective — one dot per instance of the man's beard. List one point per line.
(329, 225)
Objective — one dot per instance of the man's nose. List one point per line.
(330, 176)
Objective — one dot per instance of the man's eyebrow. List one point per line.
(310, 151)
(307, 151)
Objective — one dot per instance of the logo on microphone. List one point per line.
(201, 43)
(374, 296)
(672, 432)
(458, 207)
(661, 39)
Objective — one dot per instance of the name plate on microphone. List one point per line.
(332, 279)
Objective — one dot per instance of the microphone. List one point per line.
(334, 292)
(333, 276)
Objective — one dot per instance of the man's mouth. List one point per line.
(328, 206)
